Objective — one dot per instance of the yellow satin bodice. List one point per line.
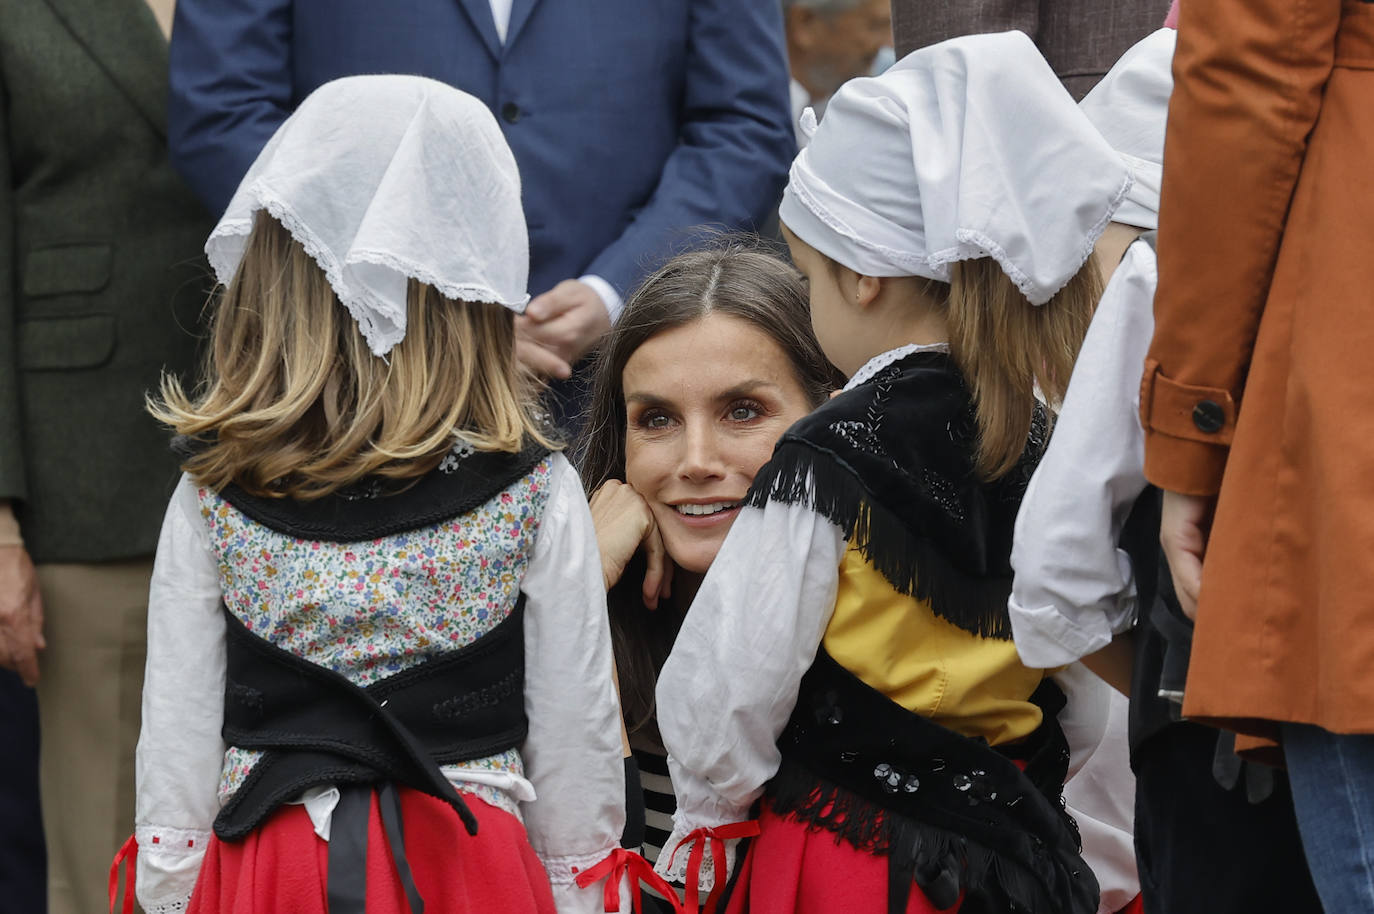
(972, 685)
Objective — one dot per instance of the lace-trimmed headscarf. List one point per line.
(383, 179)
(1129, 108)
(968, 148)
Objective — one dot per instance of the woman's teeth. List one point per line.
(713, 508)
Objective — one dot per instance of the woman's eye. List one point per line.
(654, 420)
(743, 412)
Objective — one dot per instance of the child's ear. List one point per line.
(867, 288)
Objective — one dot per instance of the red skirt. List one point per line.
(796, 868)
(284, 865)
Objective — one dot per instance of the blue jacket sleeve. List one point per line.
(230, 88)
(735, 143)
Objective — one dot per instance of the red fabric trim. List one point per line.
(716, 837)
(128, 858)
(619, 863)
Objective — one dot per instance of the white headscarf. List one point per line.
(964, 149)
(1129, 107)
(386, 178)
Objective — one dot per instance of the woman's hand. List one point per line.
(1184, 524)
(623, 524)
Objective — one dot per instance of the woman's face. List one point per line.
(704, 405)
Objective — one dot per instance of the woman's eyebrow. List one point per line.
(744, 388)
(637, 398)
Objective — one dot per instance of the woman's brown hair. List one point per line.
(1006, 347)
(735, 278)
(292, 402)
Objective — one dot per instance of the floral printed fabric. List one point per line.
(368, 610)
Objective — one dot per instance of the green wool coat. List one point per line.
(102, 278)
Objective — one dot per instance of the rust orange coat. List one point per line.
(1260, 381)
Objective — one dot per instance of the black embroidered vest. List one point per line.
(950, 813)
(891, 463)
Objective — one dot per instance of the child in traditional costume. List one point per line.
(379, 669)
(1213, 836)
(848, 658)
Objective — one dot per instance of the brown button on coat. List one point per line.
(1265, 313)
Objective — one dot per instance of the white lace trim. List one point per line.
(563, 870)
(882, 360)
(169, 907)
(969, 244)
(672, 862)
(973, 243)
(182, 842)
(381, 320)
(802, 180)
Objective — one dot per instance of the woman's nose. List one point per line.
(701, 452)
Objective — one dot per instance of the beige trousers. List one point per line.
(90, 690)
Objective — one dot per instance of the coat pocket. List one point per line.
(65, 343)
(67, 268)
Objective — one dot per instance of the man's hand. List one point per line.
(1184, 525)
(559, 327)
(21, 614)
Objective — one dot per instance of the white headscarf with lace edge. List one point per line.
(383, 179)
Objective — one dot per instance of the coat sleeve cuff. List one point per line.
(1182, 466)
(1169, 407)
(1188, 432)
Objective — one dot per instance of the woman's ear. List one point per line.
(867, 290)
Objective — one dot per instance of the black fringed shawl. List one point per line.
(891, 463)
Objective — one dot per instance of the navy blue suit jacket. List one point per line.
(632, 121)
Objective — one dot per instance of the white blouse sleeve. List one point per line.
(1073, 588)
(731, 681)
(1100, 789)
(572, 754)
(180, 751)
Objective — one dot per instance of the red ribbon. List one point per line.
(619, 863)
(128, 853)
(716, 838)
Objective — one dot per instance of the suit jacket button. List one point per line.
(1209, 416)
(510, 111)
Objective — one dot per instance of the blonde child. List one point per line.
(379, 672)
(848, 658)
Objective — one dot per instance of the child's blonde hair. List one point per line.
(1005, 347)
(293, 403)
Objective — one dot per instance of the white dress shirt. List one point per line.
(571, 796)
(500, 12)
(1074, 588)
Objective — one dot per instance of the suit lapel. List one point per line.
(519, 15)
(479, 11)
(123, 37)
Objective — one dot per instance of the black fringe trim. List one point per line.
(942, 862)
(917, 566)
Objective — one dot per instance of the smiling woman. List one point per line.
(704, 402)
(711, 361)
